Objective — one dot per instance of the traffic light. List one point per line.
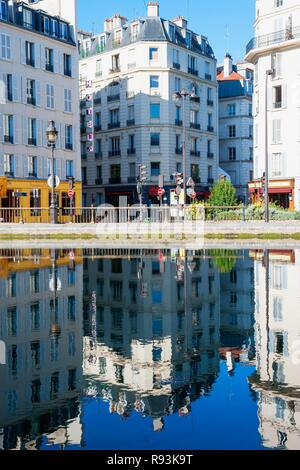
(178, 179)
(142, 174)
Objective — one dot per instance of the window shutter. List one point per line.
(3, 88)
(37, 56)
(284, 96)
(44, 167)
(38, 93)
(278, 64)
(17, 166)
(22, 52)
(39, 133)
(44, 135)
(40, 167)
(61, 63)
(271, 341)
(16, 90)
(63, 170)
(24, 90)
(25, 165)
(25, 130)
(58, 167)
(17, 129)
(63, 136)
(270, 98)
(1, 128)
(58, 143)
(56, 62)
(1, 164)
(43, 58)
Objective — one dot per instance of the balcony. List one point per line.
(210, 155)
(49, 67)
(31, 100)
(274, 38)
(208, 76)
(210, 103)
(193, 71)
(114, 153)
(9, 96)
(115, 180)
(30, 62)
(195, 153)
(178, 122)
(131, 179)
(114, 70)
(31, 141)
(98, 181)
(32, 175)
(98, 155)
(131, 151)
(176, 66)
(277, 105)
(196, 179)
(8, 139)
(210, 129)
(195, 125)
(9, 174)
(67, 72)
(210, 180)
(98, 128)
(97, 101)
(113, 98)
(130, 122)
(178, 151)
(114, 125)
(69, 147)
(195, 99)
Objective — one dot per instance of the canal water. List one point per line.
(149, 349)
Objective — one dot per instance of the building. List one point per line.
(129, 75)
(152, 330)
(275, 48)
(236, 123)
(38, 83)
(277, 333)
(41, 330)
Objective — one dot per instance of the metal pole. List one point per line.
(267, 215)
(184, 147)
(53, 206)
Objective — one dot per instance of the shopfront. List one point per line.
(281, 192)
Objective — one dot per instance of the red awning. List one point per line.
(203, 193)
(153, 191)
(280, 190)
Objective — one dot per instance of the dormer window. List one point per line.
(118, 37)
(3, 11)
(188, 39)
(27, 18)
(64, 31)
(54, 28)
(134, 31)
(45, 25)
(101, 44)
(172, 32)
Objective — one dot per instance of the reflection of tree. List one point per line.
(224, 260)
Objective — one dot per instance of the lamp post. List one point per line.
(52, 134)
(184, 94)
(267, 213)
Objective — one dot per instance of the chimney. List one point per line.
(118, 21)
(227, 65)
(108, 25)
(180, 21)
(153, 9)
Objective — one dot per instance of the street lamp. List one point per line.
(267, 213)
(184, 94)
(52, 134)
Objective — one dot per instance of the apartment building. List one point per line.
(129, 75)
(275, 48)
(38, 83)
(236, 123)
(41, 334)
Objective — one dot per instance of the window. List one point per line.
(115, 148)
(27, 18)
(232, 131)
(98, 146)
(50, 96)
(195, 171)
(9, 87)
(192, 65)
(54, 27)
(35, 316)
(49, 60)
(45, 24)
(277, 309)
(154, 81)
(11, 286)
(115, 173)
(8, 165)
(68, 100)
(177, 84)
(232, 153)
(34, 282)
(99, 173)
(131, 139)
(277, 164)
(67, 65)
(36, 391)
(29, 54)
(49, 161)
(31, 131)
(71, 308)
(176, 62)
(276, 59)
(134, 32)
(99, 68)
(276, 131)
(5, 46)
(32, 166)
(155, 168)
(278, 3)
(69, 137)
(115, 63)
(116, 289)
(153, 53)
(154, 111)
(188, 39)
(210, 173)
(31, 92)
(3, 11)
(8, 130)
(114, 116)
(155, 139)
(277, 97)
(72, 379)
(69, 168)
(231, 109)
(172, 31)
(64, 31)
(251, 132)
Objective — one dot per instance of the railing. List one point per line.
(210, 129)
(97, 101)
(274, 38)
(114, 125)
(208, 76)
(132, 214)
(210, 103)
(114, 153)
(195, 153)
(113, 98)
(195, 125)
(130, 122)
(131, 151)
(49, 67)
(97, 128)
(195, 99)
(98, 155)
(193, 71)
(178, 151)
(176, 66)
(178, 122)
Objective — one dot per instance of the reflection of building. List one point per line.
(129, 75)
(236, 123)
(237, 308)
(277, 381)
(152, 331)
(38, 83)
(41, 327)
(276, 46)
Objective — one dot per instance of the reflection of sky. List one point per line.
(227, 419)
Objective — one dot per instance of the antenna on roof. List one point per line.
(188, 9)
(227, 37)
(93, 28)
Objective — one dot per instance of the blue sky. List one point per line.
(212, 18)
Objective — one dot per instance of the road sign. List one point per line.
(18, 194)
(190, 182)
(71, 193)
(189, 192)
(193, 196)
(160, 192)
(56, 184)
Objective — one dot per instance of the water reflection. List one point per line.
(149, 334)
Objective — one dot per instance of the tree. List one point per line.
(223, 194)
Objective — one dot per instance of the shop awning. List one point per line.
(3, 187)
(153, 191)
